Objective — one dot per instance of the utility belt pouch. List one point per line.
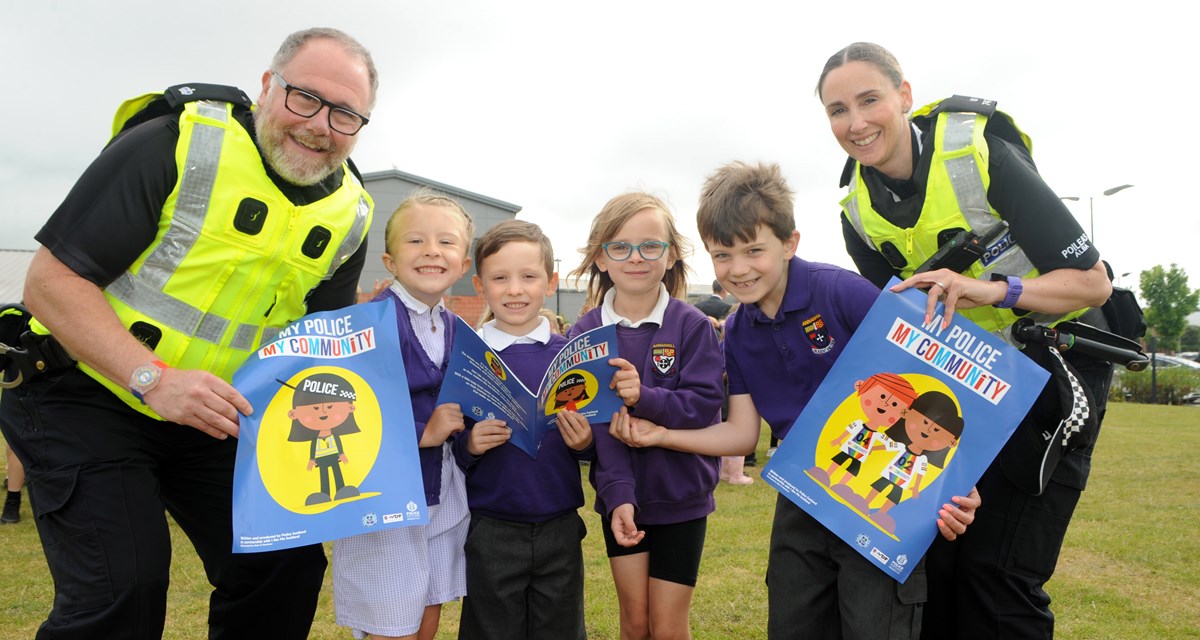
(1124, 314)
(25, 354)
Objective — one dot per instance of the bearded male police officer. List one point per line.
(203, 227)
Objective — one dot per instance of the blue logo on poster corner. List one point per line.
(369, 520)
(863, 540)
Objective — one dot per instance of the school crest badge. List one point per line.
(817, 334)
(664, 359)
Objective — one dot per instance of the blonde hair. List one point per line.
(429, 198)
(608, 223)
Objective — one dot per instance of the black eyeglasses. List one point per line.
(307, 105)
(622, 251)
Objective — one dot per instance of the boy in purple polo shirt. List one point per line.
(795, 319)
(524, 558)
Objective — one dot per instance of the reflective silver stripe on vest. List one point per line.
(143, 291)
(195, 192)
(353, 238)
(177, 314)
(855, 218)
(969, 192)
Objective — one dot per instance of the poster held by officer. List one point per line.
(911, 414)
(331, 448)
(479, 381)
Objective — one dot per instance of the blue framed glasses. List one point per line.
(622, 251)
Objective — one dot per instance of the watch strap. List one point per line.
(1015, 288)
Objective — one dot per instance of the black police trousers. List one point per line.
(101, 478)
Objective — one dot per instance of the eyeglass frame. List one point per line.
(287, 92)
(638, 248)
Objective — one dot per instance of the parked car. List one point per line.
(1163, 361)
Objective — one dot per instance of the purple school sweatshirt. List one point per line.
(681, 367)
(781, 361)
(424, 383)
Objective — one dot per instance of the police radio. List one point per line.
(958, 252)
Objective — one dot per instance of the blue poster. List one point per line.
(331, 450)
(910, 415)
(577, 379)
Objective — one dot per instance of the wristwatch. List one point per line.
(145, 378)
(1014, 292)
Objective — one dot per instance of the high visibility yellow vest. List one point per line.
(233, 260)
(955, 198)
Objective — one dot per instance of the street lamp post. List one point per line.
(1092, 208)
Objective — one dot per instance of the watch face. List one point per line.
(145, 376)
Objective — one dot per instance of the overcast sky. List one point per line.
(558, 106)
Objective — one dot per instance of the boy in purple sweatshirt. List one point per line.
(524, 558)
(817, 586)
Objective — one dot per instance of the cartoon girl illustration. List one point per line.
(322, 412)
(925, 435)
(571, 390)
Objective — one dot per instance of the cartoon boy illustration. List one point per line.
(322, 412)
(883, 397)
(925, 435)
(571, 390)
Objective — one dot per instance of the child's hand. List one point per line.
(575, 430)
(342, 458)
(623, 527)
(953, 519)
(636, 432)
(447, 419)
(311, 464)
(626, 381)
(487, 435)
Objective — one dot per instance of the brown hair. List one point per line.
(864, 52)
(513, 231)
(738, 197)
(607, 223)
(430, 198)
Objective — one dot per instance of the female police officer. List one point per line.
(914, 183)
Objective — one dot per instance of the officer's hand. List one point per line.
(198, 399)
(953, 519)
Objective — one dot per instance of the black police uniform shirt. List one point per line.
(111, 214)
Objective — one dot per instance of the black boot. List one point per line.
(12, 507)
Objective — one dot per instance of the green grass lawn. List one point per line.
(1126, 570)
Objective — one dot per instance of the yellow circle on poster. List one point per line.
(283, 461)
(877, 460)
(572, 390)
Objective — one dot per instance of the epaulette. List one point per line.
(152, 105)
(181, 94)
(966, 104)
